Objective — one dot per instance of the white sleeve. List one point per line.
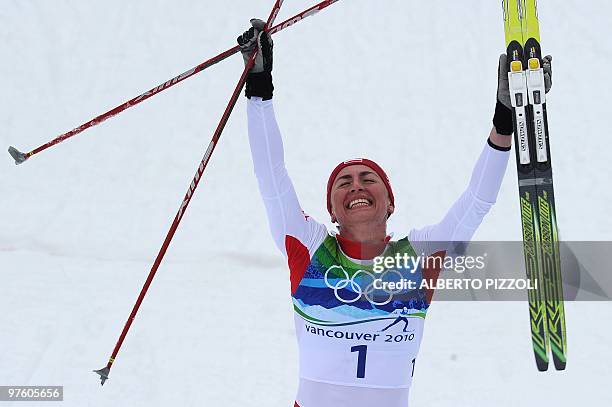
(466, 214)
(285, 215)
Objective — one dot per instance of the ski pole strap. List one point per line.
(502, 119)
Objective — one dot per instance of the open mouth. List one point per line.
(359, 203)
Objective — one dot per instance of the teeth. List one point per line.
(358, 202)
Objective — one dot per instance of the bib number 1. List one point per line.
(362, 352)
(361, 359)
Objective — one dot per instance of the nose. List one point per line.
(356, 186)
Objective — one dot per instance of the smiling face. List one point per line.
(358, 195)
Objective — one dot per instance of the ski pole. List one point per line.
(20, 157)
(104, 372)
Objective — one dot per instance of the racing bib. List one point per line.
(355, 326)
(362, 354)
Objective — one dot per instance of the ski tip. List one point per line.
(542, 365)
(104, 372)
(559, 365)
(17, 155)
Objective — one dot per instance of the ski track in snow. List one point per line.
(83, 221)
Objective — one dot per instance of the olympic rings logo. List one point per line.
(356, 285)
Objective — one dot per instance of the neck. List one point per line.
(363, 242)
(367, 234)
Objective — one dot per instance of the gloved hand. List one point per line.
(259, 79)
(502, 120)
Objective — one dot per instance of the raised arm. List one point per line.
(468, 211)
(289, 225)
(285, 215)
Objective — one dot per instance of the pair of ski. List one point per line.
(535, 179)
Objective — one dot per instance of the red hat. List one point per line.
(358, 161)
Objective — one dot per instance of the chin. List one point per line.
(362, 217)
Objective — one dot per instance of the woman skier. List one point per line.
(350, 353)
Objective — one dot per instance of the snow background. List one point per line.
(409, 84)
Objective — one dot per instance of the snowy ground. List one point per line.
(409, 84)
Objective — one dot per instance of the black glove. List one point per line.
(259, 78)
(502, 120)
